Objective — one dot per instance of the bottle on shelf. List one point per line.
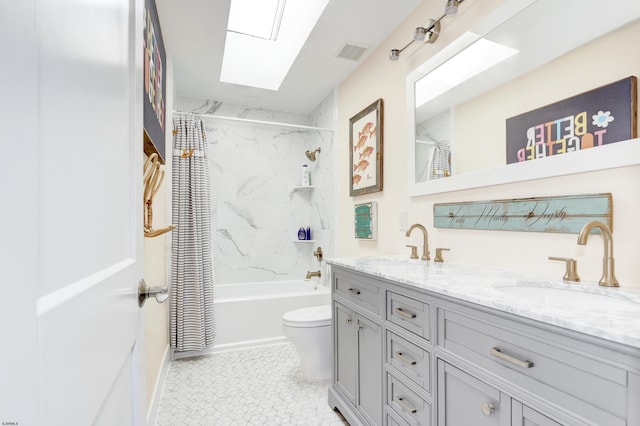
(302, 233)
(306, 176)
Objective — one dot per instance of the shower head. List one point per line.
(311, 155)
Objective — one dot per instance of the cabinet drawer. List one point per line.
(406, 403)
(410, 314)
(360, 292)
(409, 359)
(555, 367)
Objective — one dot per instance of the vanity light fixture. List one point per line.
(430, 32)
(452, 7)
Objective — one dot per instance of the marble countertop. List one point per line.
(608, 313)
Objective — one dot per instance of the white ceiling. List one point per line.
(194, 35)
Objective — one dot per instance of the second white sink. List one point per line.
(569, 297)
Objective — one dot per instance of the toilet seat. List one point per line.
(314, 316)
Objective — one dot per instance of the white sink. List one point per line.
(560, 296)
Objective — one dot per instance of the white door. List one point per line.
(71, 178)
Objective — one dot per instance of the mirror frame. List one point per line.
(619, 154)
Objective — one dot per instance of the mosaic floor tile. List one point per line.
(255, 386)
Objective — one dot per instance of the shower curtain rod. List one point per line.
(247, 120)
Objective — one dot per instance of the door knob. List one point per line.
(144, 292)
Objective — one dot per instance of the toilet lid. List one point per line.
(314, 316)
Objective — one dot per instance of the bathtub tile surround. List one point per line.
(258, 386)
(256, 212)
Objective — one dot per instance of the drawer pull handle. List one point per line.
(404, 313)
(404, 359)
(353, 291)
(406, 407)
(487, 409)
(516, 361)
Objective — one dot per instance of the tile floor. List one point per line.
(255, 386)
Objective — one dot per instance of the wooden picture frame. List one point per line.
(365, 150)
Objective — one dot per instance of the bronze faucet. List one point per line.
(425, 241)
(608, 278)
(313, 274)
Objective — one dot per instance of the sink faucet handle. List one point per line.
(439, 257)
(414, 251)
(571, 273)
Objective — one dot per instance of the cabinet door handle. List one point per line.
(404, 313)
(516, 361)
(487, 409)
(404, 359)
(349, 320)
(405, 407)
(353, 290)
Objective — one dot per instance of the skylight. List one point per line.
(264, 38)
(256, 18)
(478, 57)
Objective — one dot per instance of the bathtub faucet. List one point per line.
(313, 274)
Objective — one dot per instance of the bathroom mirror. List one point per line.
(547, 51)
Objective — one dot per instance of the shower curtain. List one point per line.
(191, 302)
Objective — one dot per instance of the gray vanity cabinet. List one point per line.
(577, 381)
(404, 356)
(358, 362)
(357, 390)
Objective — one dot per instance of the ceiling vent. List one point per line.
(351, 52)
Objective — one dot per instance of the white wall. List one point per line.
(379, 77)
(156, 254)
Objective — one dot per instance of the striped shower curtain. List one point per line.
(191, 302)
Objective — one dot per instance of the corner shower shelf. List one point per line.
(303, 188)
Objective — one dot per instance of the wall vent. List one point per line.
(351, 52)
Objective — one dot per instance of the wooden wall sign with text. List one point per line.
(566, 214)
(599, 117)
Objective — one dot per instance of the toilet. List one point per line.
(309, 329)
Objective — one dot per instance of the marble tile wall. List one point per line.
(256, 212)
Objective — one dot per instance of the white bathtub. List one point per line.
(250, 314)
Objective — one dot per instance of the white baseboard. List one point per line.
(249, 344)
(230, 347)
(158, 389)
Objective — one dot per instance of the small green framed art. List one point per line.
(366, 221)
